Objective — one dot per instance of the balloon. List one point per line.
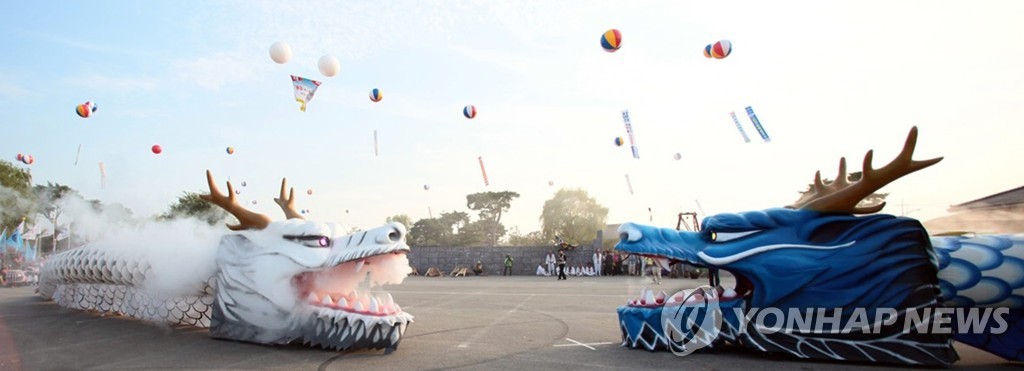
(678, 156)
(721, 49)
(707, 51)
(376, 95)
(309, 191)
(619, 142)
(84, 110)
(238, 191)
(230, 150)
(329, 65)
(611, 40)
(469, 111)
(157, 149)
(243, 183)
(303, 211)
(20, 156)
(426, 187)
(551, 182)
(253, 202)
(28, 159)
(280, 52)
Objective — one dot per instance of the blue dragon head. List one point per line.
(814, 255)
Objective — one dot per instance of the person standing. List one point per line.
(655, 271)
(508, 265)
(549, 260)
(561, 264)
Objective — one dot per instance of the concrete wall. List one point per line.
(526, 257)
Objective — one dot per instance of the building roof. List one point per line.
(1010, 198)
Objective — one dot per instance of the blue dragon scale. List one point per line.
(291, 281)
(828, 279)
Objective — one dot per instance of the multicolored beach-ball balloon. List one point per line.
(28, 159)
(376, 95)
(86, 109)
(469, 111)
(619, 142)
(707, 51)
(230, 150)
(157, 149)
(721, 49)
(611, 40)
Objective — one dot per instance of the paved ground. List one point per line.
(504, 323)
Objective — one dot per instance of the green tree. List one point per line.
(16, 199)
(479, 233)
(440, 231)
(48, 199)
(870, 200)
(189, 205)
(573, 215)
(490, 206)
(535, 238)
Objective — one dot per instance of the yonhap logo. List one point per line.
(691, 319)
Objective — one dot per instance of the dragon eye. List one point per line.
(310, 241)
(714, 236)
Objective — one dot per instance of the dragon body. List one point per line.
(815, 281)
(291, 281)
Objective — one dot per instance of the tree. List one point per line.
(870, 200)
(190, 205)
(491, 205)
(48, 200)
(16, 199)
(440, 231)
(480, 233)
(573, 215)
(535, 238)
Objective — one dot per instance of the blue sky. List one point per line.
(827, 79)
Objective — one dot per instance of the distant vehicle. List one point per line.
(16, 277)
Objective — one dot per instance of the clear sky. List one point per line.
(826, 78)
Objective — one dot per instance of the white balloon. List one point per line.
(280, 52)
(426, 187)
(678, 156)
(329, 65)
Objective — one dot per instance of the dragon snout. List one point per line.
(391, 233)
(629, 232)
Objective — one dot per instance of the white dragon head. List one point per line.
(306, 281)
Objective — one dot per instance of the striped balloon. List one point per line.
(469, 111)
(618, 141)
(611, 40)
(721, 49)
(707, 51)
(83, 111)
(376, 95)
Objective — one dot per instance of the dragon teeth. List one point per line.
(374, 306)
(728, 293)
(327, 301)
(342, 303)
(648, 297)
(312, 298)
(358, 306)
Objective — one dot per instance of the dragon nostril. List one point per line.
(623, 237)
(395, 235)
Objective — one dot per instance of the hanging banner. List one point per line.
(629, 184)
(483, 171)
(757, 125)
(77, 154)
(629, 131)
(375, 152)
(739, 127)
(304, 90)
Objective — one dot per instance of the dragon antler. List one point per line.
(246, 218)
(841, 196)
(288, 204)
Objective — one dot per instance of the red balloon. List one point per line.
(157, 149)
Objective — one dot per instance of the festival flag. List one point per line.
(103, 176)
(757, 125)
(629, 131)
(629, 184)
(739, 127)
(304, 90)
(77, 154)
(375, 152)
(483, 171)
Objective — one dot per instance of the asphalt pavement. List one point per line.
(491, 323)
